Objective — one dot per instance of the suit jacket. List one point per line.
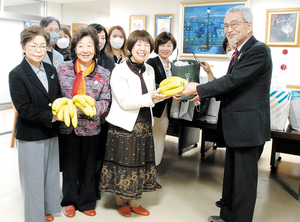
(57, 58)
(160, 75)
(33, 102)
(245, 96)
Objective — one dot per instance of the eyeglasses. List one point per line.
(49, 29)
(36, 47)
(233, 24)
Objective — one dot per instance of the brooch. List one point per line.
(96, 79)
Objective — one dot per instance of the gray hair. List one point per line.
(47, 20)
(246, 12)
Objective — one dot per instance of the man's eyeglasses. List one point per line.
(49, 29)
(36, 47)
(233, 24)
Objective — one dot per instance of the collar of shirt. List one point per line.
(167, 70)
(241, 46)
(35, 69)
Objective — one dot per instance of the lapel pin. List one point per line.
(52, 77)
(240, 56)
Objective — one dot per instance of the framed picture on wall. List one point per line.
(202, 27)
(163, 23)
(137, 22)
(282, 27)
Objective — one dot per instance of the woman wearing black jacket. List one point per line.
(165, 44)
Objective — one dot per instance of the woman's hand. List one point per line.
(177, 97)
(196, 98)
(207, 69)
(155, 95)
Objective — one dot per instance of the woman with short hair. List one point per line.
(129, 165)
(33, 87)
(82, 76)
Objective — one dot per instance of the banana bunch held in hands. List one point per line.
(65, 109)
(172, 85)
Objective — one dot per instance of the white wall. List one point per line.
(75, 13)
(292, 74)
(121, 9)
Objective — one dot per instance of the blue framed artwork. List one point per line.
(202, 28)
(163, 23)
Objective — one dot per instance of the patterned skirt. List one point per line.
(129, 165)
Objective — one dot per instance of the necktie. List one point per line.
(235, 54)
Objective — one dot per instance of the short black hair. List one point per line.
(224, 44)
(99, 28)
(163, 38)
(83, 32)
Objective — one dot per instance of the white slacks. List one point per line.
(160, 128)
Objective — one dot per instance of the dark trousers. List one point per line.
(78, 153)
(240, 183)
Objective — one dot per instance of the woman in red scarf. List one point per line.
(82, 76)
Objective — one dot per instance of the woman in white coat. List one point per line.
(129, 165)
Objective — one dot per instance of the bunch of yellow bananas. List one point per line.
(172, 85)
(86, 104)
(65, 109)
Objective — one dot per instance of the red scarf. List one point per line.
(79, 83)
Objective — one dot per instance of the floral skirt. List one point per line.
(129, 165)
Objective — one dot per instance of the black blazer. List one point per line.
(245, 96)
(33, 102)
(106, 62)
(160, 75)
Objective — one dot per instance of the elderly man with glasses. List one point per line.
(244, 116)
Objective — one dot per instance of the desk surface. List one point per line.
(288, 134)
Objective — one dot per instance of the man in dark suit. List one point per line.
(244, 116)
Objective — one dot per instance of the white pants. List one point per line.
(39, 178)
(159, 134)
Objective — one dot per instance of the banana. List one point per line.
(75, 118)
(66, 115)
(94, 110)
(60, 113)
(71, 108)
(172, 85)
(61, 102)
(173, 91)
(89, 100)
(169, 80)
(79, 99)
(90, 111)
(54, 104)
(86, 109)
(184, 82)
